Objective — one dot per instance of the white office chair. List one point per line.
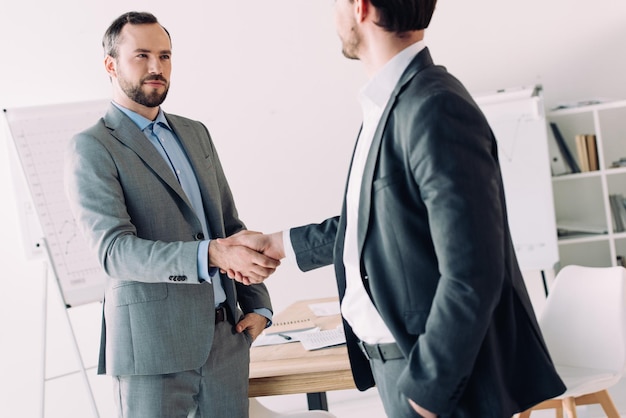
(584, 326)
(258, 410)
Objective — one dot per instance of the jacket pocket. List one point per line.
(415, 321)
(135, 292)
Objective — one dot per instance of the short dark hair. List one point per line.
(112, 34)
(400, 16)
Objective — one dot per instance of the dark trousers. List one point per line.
(386, 374)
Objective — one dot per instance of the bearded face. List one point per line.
(140, 67)
(347, 29)
(142, 92)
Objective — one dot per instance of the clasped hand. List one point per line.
(248, 257)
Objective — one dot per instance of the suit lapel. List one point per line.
(421, 60)
(198, 156)
(125, 131)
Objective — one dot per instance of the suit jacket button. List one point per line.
(199, 236)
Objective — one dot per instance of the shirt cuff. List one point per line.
(290, 254)
(205, 273)
(266, 313)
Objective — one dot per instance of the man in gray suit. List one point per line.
(436, 312)
(148, 191)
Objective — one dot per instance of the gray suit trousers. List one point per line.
(217, 390)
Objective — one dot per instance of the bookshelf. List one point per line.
(589, 234)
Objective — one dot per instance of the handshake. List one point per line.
(248, 257)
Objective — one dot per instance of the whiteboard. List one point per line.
(39, 135)
(517, 118)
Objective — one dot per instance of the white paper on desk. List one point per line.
(325, 308)
(276, 339)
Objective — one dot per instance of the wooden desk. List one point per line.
(288, 368)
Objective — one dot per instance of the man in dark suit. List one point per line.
(148, 191)
(436, 312)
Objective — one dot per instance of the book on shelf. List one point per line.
(558, 166)
(568, 158)
(621, 201)
(619, 163)
(581, 150)
(618, 211)
(568, 227)
(618, 226)
(592, 152)
(587, 152)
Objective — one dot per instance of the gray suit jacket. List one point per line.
(157, 317)
(436, 256)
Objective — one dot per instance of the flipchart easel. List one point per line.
(39, 135)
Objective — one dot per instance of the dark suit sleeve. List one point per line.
(314, 244)
(253, 297)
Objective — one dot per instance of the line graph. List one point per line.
(39, 135)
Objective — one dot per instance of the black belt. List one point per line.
(220, 314)
(384, 352)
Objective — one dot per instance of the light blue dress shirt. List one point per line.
(167, 144)
(161, 135)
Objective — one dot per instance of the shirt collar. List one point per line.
(379, 88)
(142, 122)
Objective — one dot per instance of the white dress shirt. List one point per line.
(357, 307)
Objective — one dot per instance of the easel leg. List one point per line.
(44, 322)
(79, 357)
(82, 367)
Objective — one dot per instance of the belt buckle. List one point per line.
(374, 351)
(363, 348)
(220, 314)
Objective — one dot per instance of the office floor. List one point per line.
(354, 404)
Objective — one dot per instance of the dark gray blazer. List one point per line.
(437, 257)
(157, 317)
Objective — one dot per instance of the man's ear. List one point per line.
(361, 9)
(110, 66)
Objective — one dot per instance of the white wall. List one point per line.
(270, 82)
